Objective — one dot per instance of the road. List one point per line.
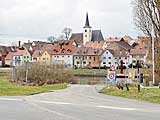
(77, 102)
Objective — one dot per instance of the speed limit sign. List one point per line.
(111, 74)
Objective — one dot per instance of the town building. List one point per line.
(85, 57)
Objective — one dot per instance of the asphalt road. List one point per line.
(78, 102)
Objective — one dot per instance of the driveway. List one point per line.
(77, 102)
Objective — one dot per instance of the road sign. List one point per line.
(112, 73)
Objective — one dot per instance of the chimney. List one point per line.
(19, 44)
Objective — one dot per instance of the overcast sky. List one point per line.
(42, 18)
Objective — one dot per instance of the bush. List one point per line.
(40, 74)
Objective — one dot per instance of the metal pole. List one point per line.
(26, 71)
(153, 56)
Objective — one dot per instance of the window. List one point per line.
(84, 62)
(44, 58)
(104, 57)
(62, 56)
(119, 57)
(94, 59)
(68, 56)
(104, 62)
(76, 57)
(85, 30)
(90, 57)
(109, 57)
(54, 56)
(106, 52)
(24, 57)
(27, 56)
(57, 56)
(126, 58)
(77, 62)
(109, 62)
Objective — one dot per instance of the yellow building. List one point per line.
(45, 58)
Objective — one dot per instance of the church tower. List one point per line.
(87, 32)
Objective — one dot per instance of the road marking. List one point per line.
(117, 108)
(10, 99)
(51, 102)
(64, 103)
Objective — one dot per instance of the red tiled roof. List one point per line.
(19, 52)
(64, 50)
(96, 44)
(88, 51)
(10, 56)
(37, 53)
(113, 39)
(138, 50)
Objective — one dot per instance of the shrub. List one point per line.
(40, 74)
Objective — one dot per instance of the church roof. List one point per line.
(77, 36)
(97, 35)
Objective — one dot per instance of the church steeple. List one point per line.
(87, 33)
(87, 25)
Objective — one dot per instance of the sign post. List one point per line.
(112, 74)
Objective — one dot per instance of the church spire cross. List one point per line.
(87, 22)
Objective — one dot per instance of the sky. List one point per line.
(42, 18)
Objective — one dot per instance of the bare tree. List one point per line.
(147, 19)
(51, 39)
(67, 32)
(147, 16)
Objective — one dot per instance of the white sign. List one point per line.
(112, 74)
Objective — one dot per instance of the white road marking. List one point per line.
(51, 102)
(10, 99)
(64, 103)
(117, 108)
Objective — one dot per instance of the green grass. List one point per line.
(9, 89)
(150, 95)
(88, 71)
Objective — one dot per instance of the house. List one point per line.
(45, 57)
(63, 55)
(36, 55)
(4, 50)
(95, 44)
(88, 34)
(85, 57)
(21, 56)
(107, 58)
(138, 53)
(9, 59)
(121, 51)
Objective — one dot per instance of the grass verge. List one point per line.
(150, 95)
(9, 89)
(88, 71)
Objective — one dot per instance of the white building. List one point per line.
(107, 58)
(64, 59)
